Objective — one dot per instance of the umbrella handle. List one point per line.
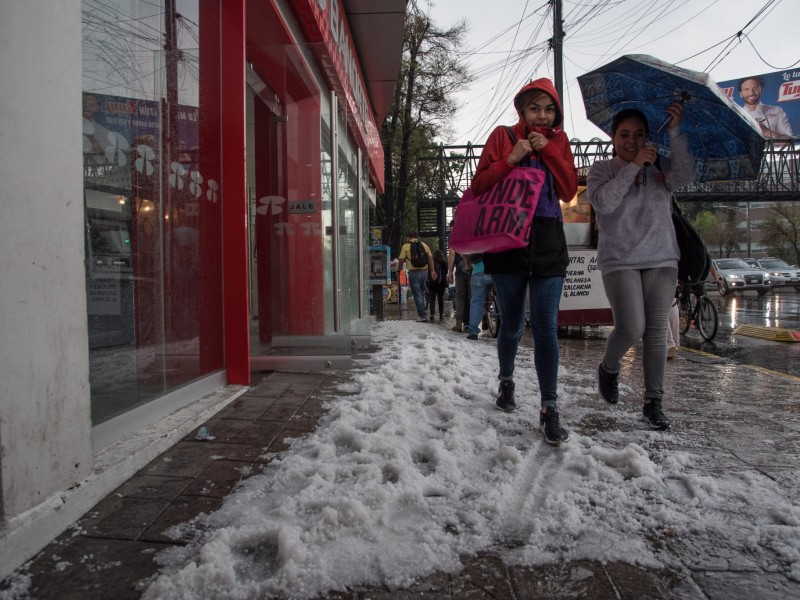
(684, 97)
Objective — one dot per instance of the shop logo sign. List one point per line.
(144, 163)
(302, 207)
(270, 204)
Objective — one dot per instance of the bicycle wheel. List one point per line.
(685, 309)
(707, 318)
(493, 314)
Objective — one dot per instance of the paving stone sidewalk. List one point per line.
(112, 547)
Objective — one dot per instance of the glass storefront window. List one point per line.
(152, 198)
(307, 222)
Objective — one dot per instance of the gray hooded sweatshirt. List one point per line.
(635, 220)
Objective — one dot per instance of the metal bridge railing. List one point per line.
(451, 169)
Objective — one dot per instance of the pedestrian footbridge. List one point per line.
(448, 171)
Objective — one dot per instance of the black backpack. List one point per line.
(695, 262)
(419, 258)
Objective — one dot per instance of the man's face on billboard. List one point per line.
(750, 92)
(90, 106)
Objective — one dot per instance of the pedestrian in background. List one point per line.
(673, 330)
(458, 273)
(419, 261)
(537, 270)
(479, 283)
(437, 285)
(637, 252)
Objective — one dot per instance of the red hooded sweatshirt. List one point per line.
(546, 255)
(556, 155)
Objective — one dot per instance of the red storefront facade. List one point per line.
(227, 195)
(212, 223)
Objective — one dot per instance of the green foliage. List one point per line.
(719, 228)
(422, 107)
(782, 232)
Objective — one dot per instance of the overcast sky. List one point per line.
(674, 32)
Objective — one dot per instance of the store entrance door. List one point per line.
(289, 298)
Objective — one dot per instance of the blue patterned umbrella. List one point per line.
(724, 141)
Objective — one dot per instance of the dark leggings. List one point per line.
(438, 295)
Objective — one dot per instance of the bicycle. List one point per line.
(701, 312)
(491, 313)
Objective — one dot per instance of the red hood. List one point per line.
(546, 86)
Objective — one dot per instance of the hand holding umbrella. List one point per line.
(647, 155)
(723, 140)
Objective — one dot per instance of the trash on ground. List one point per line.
(203, 434)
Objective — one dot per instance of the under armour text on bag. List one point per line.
(500, 218)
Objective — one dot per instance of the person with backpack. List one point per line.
(536, 271)
(438, 286)
(419, 262)
(637, 252)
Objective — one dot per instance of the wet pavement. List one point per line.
(776, 309)
(734, 417)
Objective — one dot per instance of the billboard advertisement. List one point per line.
(771, 100)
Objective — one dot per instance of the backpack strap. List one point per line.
(525, 162)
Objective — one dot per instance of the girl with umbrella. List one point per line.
(637, 252)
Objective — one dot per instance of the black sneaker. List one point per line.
(505, 397)
(472, 336)
(608, 384)
(554, 434)
(652, 414)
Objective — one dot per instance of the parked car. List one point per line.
(781, 274)
(735, 275)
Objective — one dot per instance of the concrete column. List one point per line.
(45, 415)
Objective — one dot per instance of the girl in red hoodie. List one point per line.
(539, 269)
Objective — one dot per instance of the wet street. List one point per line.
(776, 309)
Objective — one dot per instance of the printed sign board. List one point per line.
(772, 100)
(583, 299)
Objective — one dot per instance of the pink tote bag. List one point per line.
(500, 218)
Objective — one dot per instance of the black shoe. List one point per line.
(505, 397)
(472, 336)
(554, 434)
(652, 414)
(430, 318)
(608, 384)
(422, 320)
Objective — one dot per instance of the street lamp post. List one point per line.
(745, 210)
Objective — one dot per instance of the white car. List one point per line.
(735, 275)
(781, 274)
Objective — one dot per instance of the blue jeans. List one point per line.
(416, 281)
(479, 287)
(545, 294)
